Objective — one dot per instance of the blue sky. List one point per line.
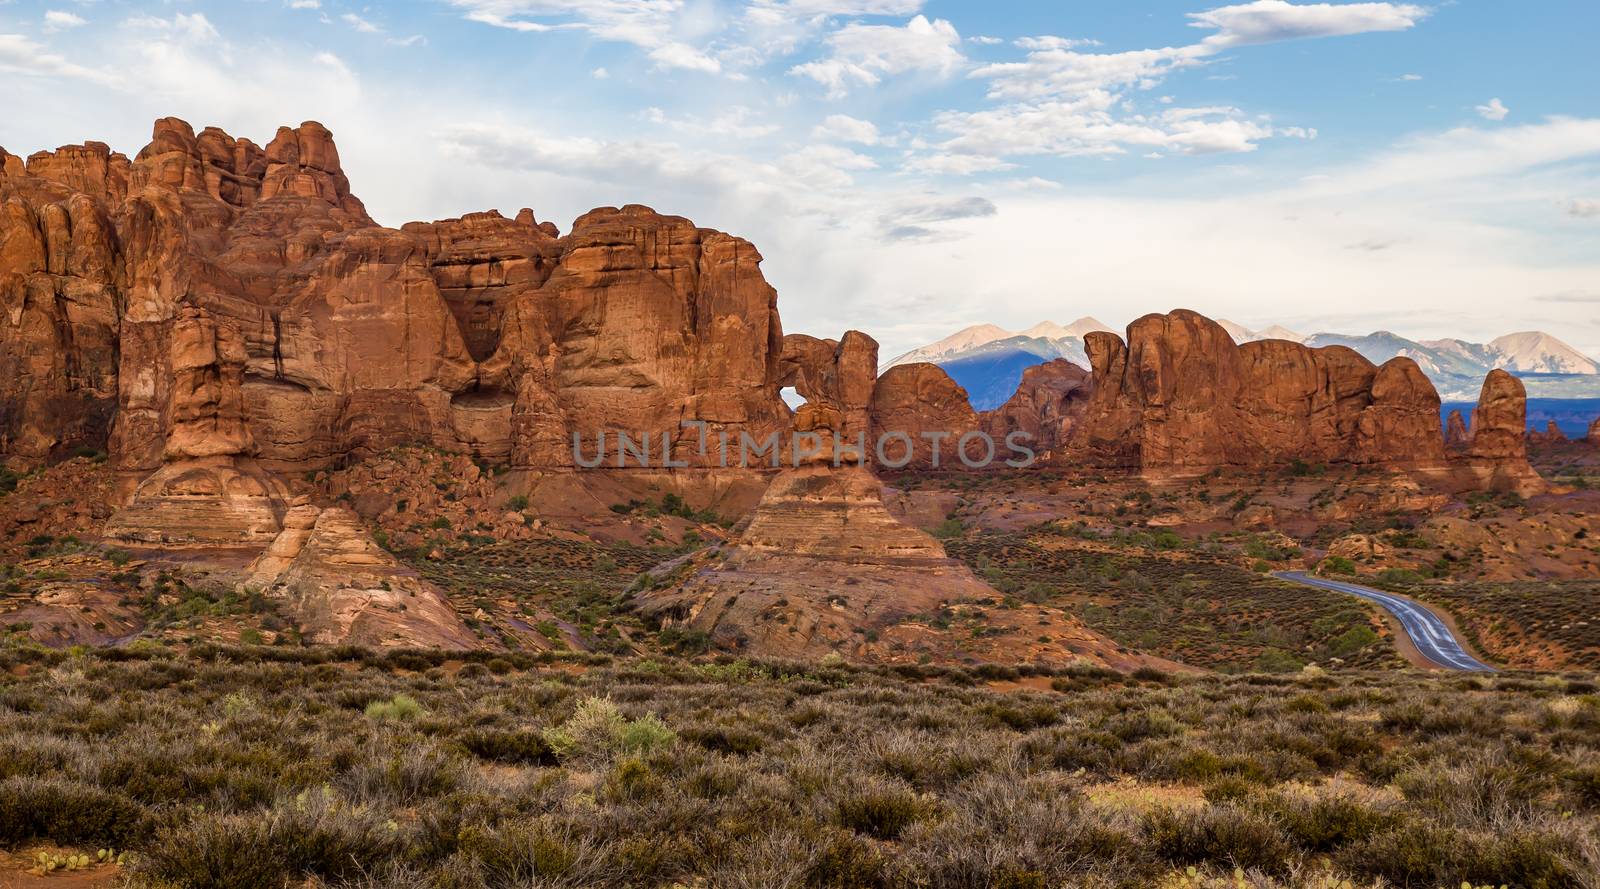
(908, 167)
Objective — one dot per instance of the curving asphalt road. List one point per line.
(1430, 634)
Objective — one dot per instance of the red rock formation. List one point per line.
(1594, 432)
(922, 420)
(343, 588)
(1456, 437)
(1044, 408)
(1500, 419)
(822, 550)
(1180, 398)
(840, 374)
(215, 300)
(1498, 456)
(1552, 434)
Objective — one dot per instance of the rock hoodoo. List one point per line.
(1456, 436)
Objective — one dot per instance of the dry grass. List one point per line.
(258, 767)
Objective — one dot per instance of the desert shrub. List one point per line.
(524, 853)
(646, 734)
(506, 745)
(313, 834)
(1336, 565)
(1411, 852)
(406, 775)
(597, 729)
(846, 861)
(1351, 641)
(68, 812)
(1022, 717)
(1584, 783)
(1225, 835)
(1325, 824)
(725, 738)
(881, 811)
(400, 708)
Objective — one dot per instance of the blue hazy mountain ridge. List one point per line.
(1572, 415)
(991, 370)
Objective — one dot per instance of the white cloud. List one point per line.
(1051, 42)
(734, 122)
(1270, 21)
(1055, 69)
(862, 55)
(844, 128)
(60, 20)
(600, 74)
(682, 55)
(1494, 110)
(1409, 78)
(984, 40)
(19, 55)
(360, 24)
(807, 8)
(305, 4)
(1583, 208)
(1064, 99)
(956, 164)
(1466, 154)
(665, 29)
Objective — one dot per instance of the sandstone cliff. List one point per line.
(1179, 398)
(218, 315)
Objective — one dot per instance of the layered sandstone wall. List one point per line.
(499, 337)
(1179, 397)
(212, 299)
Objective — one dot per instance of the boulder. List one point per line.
(1042, 411)
(921, 419)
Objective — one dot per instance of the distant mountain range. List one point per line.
(988, 360)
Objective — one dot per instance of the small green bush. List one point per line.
(597, 729)
(400, 708)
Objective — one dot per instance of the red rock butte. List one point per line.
(213, 314)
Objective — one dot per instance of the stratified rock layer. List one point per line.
(821, 564)
(342, 587)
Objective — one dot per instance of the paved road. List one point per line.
(1430, 634)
